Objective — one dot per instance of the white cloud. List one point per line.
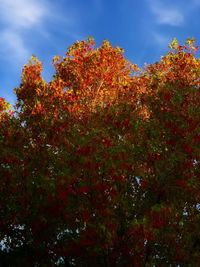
(12, 46)
(166, 14)
(21, 13)
(17, 16)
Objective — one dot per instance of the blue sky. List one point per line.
(46, 28)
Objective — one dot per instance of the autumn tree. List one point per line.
(100, 166)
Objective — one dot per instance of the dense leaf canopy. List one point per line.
(100, 166)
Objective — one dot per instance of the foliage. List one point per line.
(100, 166)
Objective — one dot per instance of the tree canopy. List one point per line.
(101, 165)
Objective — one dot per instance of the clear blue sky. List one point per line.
(46, 28)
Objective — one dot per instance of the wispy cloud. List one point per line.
(12, 46)
(160, 39)
(167, 15)
(17, 16)
(21, 13)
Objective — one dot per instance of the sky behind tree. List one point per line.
(45, 28)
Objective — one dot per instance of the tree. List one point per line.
(100, 166)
